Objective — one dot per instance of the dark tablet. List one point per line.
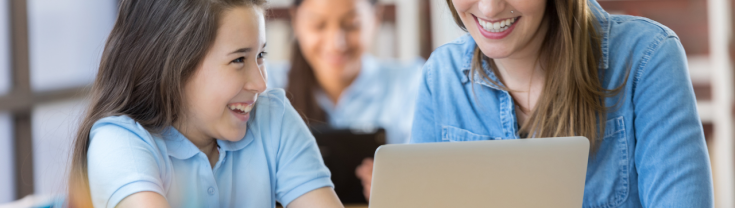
(343, 150)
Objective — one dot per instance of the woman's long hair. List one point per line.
(572, 101)
(153, 49)
(302, 83)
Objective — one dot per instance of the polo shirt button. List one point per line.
(210, 191)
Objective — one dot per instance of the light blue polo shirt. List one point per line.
(278, 160)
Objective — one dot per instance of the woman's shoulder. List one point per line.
(450, 62)
(635, 37)
(456, 53)
(632, 44)
(394, 72)
(635, 26)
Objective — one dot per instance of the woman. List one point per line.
(551, 68)
(332, 80)
(180, 116)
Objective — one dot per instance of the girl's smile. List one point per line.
(241, 110)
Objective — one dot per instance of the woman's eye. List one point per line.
(239, 60)
(262, 54)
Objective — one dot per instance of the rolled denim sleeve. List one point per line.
(670, 155)
(424, 128)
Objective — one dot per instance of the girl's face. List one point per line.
(225, 85)
(333, 34)
(500, 33)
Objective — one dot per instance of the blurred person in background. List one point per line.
(332, 80)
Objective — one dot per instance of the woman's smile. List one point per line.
(496, 29)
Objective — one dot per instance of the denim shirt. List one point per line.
(653, 153)
(382, 96)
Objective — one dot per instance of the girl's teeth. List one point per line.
(242, 108)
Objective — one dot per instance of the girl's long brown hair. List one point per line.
(154, 47)
(572, 101)
(302, 83)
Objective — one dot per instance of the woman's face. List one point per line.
(500, 33)
(226, 84)
(333, 34)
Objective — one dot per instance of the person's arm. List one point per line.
(143, 200)
(671, 155)
(318, 198)
(424, 128)
(365, 173)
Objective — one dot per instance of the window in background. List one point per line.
(443, 28)
(54, 126)
(5, 82)
(280, 38)
(66, 38)
(7, 173)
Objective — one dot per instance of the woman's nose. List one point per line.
(338, 41)
(491, 8)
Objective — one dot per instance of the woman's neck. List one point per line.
(335, 85)
(524, 75)
(525, 79)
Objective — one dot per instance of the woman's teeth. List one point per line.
(240, 108)
(499, 26)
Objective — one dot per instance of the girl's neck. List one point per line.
(205, 144)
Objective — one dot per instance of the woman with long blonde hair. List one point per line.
(552, 68)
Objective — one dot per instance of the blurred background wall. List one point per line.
(50, 49)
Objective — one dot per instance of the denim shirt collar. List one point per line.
(178, 146)
(604, 29)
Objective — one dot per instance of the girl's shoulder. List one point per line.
(270, 110)
(119, 124)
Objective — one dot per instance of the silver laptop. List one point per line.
(544, 172)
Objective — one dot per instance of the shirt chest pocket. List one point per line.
(454, 134)
(607, 183)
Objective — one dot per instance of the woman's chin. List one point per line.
(495, 52)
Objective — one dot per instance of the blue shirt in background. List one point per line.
(653, 153)
(382, 96)
(277, 160)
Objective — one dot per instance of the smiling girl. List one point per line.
(553, 68)
(180, 116)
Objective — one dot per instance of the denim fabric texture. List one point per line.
(653, 153)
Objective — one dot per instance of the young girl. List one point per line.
(550, 68)
(180, 116)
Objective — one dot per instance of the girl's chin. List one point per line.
(234, 137)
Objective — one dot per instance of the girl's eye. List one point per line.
(262, 54)
(239, 60)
